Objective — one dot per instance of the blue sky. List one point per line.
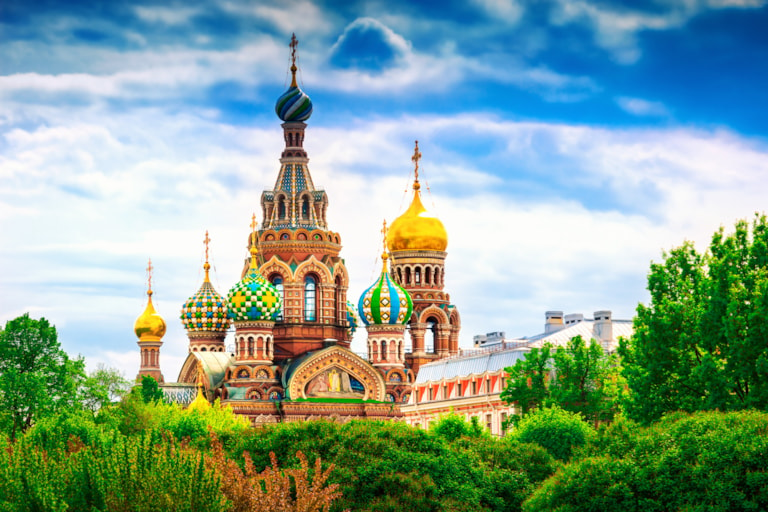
(565, 145)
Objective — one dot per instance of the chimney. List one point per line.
(603, 330)
(573, 318)
(553, 322)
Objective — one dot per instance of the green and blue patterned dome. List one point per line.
(352, 318)
(205, 311)
(254, 298)
(385, 302)
(294, 104)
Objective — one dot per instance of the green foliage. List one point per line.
(584, 379)
(134, 474)
(527, 381)
(150, 390)
(557, 430)
(102, 387)
(700, 344)
(37, 378)
(707, 461)
(451, 426)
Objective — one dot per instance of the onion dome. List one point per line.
(417, 229)
(352, 318)
(206, 310)
(149, 326)
(254, 298)
(294, 105)
(385, 302)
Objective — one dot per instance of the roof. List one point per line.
(585, 329)
(469, 365)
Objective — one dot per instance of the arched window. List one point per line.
(430, 335)
(310, 302)
(277, 281)
(305, 208)
(281, 207)
(383, 350)
(428, 276)
(417, 275)
(339, 306)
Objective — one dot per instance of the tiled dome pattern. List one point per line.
(205, 311)
(253, 298)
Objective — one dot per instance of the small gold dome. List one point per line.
(417, 229)
(149, 326)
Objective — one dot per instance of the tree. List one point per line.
(586, 380)
(701, 343)
(37, 378)
(150, 390)
(527, 380)
(103, 386)
(553, 428)
(577, 378)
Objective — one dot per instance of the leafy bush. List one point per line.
(559, 431)
(451, 426)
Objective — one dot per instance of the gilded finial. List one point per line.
(149, 277)
(415, 158)
(293, 45)
(206, 265)
(384, 255)
(253, 248)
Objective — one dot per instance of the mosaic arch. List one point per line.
(335, 372)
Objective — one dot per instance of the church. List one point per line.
(291, 315)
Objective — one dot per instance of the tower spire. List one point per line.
(253, 248)
(384, 255)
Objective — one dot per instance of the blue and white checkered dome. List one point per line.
(385, 302)
(254, 298)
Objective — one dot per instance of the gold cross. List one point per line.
(149, 274)
(384, 235)
(253, 230)
(206, 245)
(293, 45)
(415, 158)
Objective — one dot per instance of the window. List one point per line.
(281, 208)
(277, 281)
(489, 422)
(310, 303)
(458, 389)
(445, 391)
(503, 421)
(474, 387)
(487, 385)
(383, 350)
(430, 394)
(417, 275)
(305, 208)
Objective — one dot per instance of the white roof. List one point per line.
(585, 328)
(469, 365)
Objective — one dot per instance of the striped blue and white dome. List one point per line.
(352, 318)
(385, 302)
(293, 105)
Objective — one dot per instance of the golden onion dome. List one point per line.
(149, 326)
(417, 229)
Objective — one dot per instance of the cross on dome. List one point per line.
(149, 277)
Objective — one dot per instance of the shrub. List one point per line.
(556, 430)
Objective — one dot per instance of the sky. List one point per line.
(566, 144)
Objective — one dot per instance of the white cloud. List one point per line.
(616, 27)
(169, 16)
(508, 10)
(641, 107)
